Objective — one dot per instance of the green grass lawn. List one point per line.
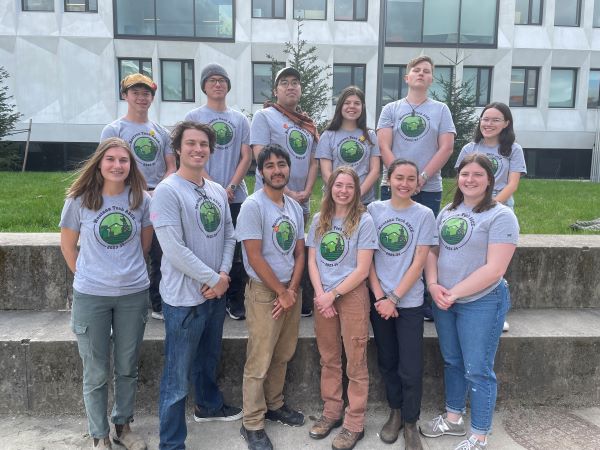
(32, 202)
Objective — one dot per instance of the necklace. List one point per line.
(414, 108)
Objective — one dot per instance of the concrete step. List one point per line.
(549, 357)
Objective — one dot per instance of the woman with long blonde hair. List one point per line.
(341, 241)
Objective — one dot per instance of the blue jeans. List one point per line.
(193, 336)
(469, 334)
(92, 319)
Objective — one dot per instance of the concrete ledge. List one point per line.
(548, 271)
(550, 357)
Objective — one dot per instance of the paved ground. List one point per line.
(531, 429)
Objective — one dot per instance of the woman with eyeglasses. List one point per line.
(107, 212)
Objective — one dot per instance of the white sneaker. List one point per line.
(505, 327)
(158, 315)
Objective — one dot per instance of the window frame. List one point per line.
(526, 86)
(139, 60)
(401, 82)
(36, 10)
(303, 18)
(182, 78)
(254, 102)
(87, 7)
(354, 19)
(161, 37)
(494, 44)
(477, 81)
(273, 7)
(529, 22)
(578, 17)
(597, 106)
(575, 71)
(352, 78)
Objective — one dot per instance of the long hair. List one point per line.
(89, 181)
(336, 122)
(507, 136)
(487, 202)
(355, 209)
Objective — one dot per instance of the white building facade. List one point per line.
(65, 59)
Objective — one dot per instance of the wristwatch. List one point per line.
(233, 187)
(424, 176)
(336, 294)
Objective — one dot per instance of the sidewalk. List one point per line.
(532, 429)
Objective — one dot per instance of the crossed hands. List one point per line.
(219, 289)
(284, 302)
(324, 304)
(442, 297)
(386, 308)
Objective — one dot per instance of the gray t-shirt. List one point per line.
(201, 218)
(337, 253)
(111, 258)
(232, 130)
(149, 142)
(415, 137)
(464, 237)
(278, 227)
(399, 232)
(269, 126)
(502, 165)
(350, 148)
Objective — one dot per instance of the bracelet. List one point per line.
(393, 297)
(381, 298)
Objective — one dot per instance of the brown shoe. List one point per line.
(323, 426)
(390, 430)
(346, 439)
(412, 440)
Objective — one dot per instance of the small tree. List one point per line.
(459, 98)
(9, 152)
(316, 93)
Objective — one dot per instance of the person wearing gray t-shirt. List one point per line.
(193, 224)
(228, 165)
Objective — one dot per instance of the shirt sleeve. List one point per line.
(386, 119)
(310, 237)
(109, 131)
(504, 228)
(324, 150)
(446, 122)
(367, 234)
(249, 223)
(166, 139)
(260, 133)
(245, 127)
(427, 229)
(71, 215)
(229, 246)
(464, 152)
(517, 160)
(375, 145)
(146, 211)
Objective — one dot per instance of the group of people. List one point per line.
(180, 198)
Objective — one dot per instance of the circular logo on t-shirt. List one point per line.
(455, 231)
(223, 132)
(145, 148)
(351, 151)
(284, 235)
(115, 228)
(297, 142)
(333, 246)
(394, 237)
(496, 163)
(210, 216)
(413, 126)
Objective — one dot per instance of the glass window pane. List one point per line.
(342, 77)
(344, 9)
(214, 19)
(470, 78)
(404, 19)
(566, 13)
(536, 12)
(38, 5)
(310, 9)
(262, 8)
(188, 78)
(485, 79)
(135, 18)
(478, 21)
(361, 10)
(521, 12)
(596, 13)
(562, 88)
(127, 67)
(171, 81)
(280, 9)
(175, 18)
(441, 21)
(517, 87)
(390, 84)
(440, 74)
(75, 5)
(359, 77)
(262, 81)
(532, 76)
(147, 68)
(593, 99)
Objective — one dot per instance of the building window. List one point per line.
(268, 9)
(127, 66)
(350, 10)
(310, 9)
(263, 77)
(81, 5)
(37, 5)
(347, 75)
(442, 23)
(441, 74)
(524, 86)
(480, 82)
(567, 13)
(211, 20)
(177, 80)
(596, 22)
(593, 99)
(528, 12)
(562, 88)
(393, 85)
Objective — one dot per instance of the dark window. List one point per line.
(562, 88)
(441, 74)
(524, 86)
(593, 99)
(268, 9)
(528, 12)
(81, 5)
(177, 80)
(347, 75)
(37, 5)
(442, 23)
(567, 13)
(263, 77)
(480, 82)
(127, 66)
(350, 10)
(211, 20)
(393, 85)
(310, 9)
(596, 22)
(558, 163)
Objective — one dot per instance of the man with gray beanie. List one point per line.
(228, 165)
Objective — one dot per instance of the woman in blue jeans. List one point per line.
(107, 211)
(477, 239)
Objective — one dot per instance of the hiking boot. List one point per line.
(129, 439)
(286, 416)
(440, 425)
(346, 439)
(390, 430)
(471, 444)
(412, 440)
(102, 443)
(256, 439)
(323, 426)
(225, 414)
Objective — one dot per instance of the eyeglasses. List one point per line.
(214, 81)
(494, 120)
(286, 83)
